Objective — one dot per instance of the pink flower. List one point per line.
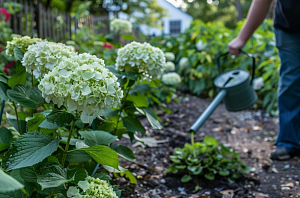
(107, 45)
(7, 66)
(1, 48)
(7, 15)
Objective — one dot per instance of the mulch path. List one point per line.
(252, 133)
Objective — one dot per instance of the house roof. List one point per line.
(176, 8)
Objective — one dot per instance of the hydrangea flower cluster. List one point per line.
(42, 57)
(200, 45)
(82, 83)
(170, 66)
(120, 25)
(92, 188)
(170, 56)
(171, 79)
(184, 61)
(20, 42)
(258, 83)
(149, 61)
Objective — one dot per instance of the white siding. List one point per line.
(174, 14)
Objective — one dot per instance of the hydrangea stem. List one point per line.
(68, 143)
(18, 123)
(121, 109)
(32, 79)
(32, 84)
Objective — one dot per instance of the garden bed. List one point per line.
(251, 133)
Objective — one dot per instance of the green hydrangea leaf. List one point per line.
(93, 138)
(103, 155)
(6, 138)
(8, 183)
(30, 149)
(102, 176)
(139, 100)
(152, 117)
(33, 124)
(30, 97)
(132, 124)
(60, 117)
(18, 54)
(124, 152)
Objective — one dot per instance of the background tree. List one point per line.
(149, 12)
(226, 11)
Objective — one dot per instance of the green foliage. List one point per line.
(26, 96)
(6, 138)
(227, 12)
(22, 155)
(202, 43)
(208, 159)
(8, 183)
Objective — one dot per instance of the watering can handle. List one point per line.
(248, 54)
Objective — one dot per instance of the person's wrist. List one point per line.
(242, 39)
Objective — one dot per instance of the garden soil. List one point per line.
(252, 133)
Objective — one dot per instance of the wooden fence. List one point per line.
(33, 19)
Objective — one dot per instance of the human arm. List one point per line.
(258, 12)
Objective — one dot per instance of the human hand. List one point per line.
(235, 46)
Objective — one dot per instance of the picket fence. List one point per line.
(33, 19)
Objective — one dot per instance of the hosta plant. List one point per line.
(207, 159)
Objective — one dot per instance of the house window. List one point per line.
(175, 27)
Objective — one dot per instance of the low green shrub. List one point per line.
(208, 159)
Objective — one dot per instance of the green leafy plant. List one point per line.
(209, 159)
(135, 73)
(197, 49)
(56, 139)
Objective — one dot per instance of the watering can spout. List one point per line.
(208, 111)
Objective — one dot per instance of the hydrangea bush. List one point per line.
(21, 42)
(85, 112)
(142, 58)
(170, 66)
(82, 83)
(120, 25)
(172, 79)
(92, 187)
(170, 56)
(42, 57)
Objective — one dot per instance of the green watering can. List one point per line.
(236, 91)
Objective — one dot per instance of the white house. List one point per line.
(175, 22)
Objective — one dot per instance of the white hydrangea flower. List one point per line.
(83, 84)
(72, 191)
(141, 57)
(20, 42)
(94, 187)
(170, 56)
(120, 25)
(183, 62)
(258, 83)
(171, 79)
(169, 44)
(80, 144)
(200, 45)
(42, 57)
(170, 66)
